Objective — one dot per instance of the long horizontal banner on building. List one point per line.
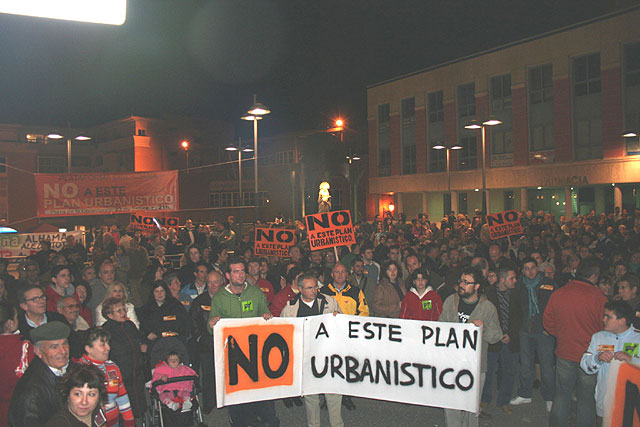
(25, 244)
(422, 363)
(106, 193)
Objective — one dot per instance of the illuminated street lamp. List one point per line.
(448, 148)
(185, 146)
(240, 149)
(80, 137)
(254, 114)
(474, 125)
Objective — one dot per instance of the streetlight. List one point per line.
(240, 149)
(255, 112)
(474, 125)
(80, 137)
(185, 146)
(448, 148)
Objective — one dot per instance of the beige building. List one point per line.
(564, 98)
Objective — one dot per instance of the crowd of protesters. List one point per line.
(559, 295)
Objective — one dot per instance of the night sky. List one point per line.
(307, 60)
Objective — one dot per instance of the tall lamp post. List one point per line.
(448, 148)
(474, 125)
(185, 146)
(80, 137)
(240, 149)
(254, 114)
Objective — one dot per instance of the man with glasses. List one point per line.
(33, 304)
(469, 306)
(536, 291)
(311, 303)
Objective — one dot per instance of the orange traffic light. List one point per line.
(339, 122)
(185, 144)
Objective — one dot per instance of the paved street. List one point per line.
(375, 413)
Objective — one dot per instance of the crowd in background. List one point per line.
(136, 291)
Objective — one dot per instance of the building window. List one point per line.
(3, 165)
(467, 100)
(502, 141)
(437, 160)
(384, 140)
(279, 158)
(48, 164)
(541, 84)
(446, 203)
(632, 95)
(586, 75)
(508, 200)
(542, 137)
(462, 203)
(501, 93)
(436, 107)
(632, 65)
(468, 155)
(229, 199)
(408, 114)
(337, 199)
(588, 139)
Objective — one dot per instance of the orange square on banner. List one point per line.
(258, 357)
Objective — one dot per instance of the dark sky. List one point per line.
(307, 60)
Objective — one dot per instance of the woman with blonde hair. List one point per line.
(117, 290)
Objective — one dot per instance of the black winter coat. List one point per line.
(125, 352)
(170, 319)
(35, 398)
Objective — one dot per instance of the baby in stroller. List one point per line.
(176, 396)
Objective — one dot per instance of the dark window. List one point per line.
(501, 92)
(384, 140)
(586, 75)
(436, 107)
(408, 112)
(508, 200)
(468, 155)
(437, 160)
(3, 165)
(466, 100)
(632, 64)
(541, 84)
(48, 164)
(462, 202)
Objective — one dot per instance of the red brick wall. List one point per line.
(421, 141)
(612, 142)
(520, 126)
(562, 120)
(396, 145)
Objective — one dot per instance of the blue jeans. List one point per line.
(542, 345)
(503, 362)
(570, 376)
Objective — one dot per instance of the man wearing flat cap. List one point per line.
(35, 398)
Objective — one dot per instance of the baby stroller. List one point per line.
(190, 413)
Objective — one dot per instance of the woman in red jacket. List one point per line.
(421, 302)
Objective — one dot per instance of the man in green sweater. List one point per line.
(240, 300)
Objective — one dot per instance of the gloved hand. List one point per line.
(172, 405)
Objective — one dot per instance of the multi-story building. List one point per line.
(290, 168)
(564, 98)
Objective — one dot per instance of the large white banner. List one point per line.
(424, 363)
(25, 244)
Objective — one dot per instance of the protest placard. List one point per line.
(622, 399)
(150, 223)
(25, 244)
(273, 241)
(423, 363)
(253, 354)
(504, 224)
(330, 229)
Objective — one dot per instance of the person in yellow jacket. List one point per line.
(350, 298)
(351, 301)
